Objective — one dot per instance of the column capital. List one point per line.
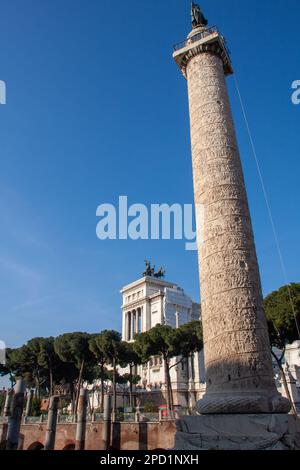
(202, 40)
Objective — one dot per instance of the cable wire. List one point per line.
(283, 269)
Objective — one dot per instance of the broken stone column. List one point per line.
(239, 375)
(81, 420)
(6, 413)
(51, 423)
(107, 421)
(14, 422)
(8, 403)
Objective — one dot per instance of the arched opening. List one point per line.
(70, 446)
(36, 446)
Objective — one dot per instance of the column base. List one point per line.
(221, 403)
(238, 432)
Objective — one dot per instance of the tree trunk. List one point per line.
(167, 384)
(170, 388)
(51, 381)
(286, 388)
(99, 399)
(102, 389)
(114, 389)
(72, 397)
(37, 387)
(130, 385)
(171, 395)
(79, 385)
(51, 391)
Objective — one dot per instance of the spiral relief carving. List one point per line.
(239, 375)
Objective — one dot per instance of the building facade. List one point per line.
(150, 301)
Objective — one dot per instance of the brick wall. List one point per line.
(125, 436)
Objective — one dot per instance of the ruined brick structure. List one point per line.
(125, 436)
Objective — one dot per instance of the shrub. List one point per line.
(150, 408)
(36, 407)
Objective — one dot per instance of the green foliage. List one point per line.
(135, 379)
(131, 378)
(157, 341)
(36, 407)
(187, 339)
(71, 358)
(280, 317)
(91, 373)
(73, 348)
(169, 342)
(97, 344)
(162, 340)
(66, 373)
(150, 407)
(37, 362)
(24, 363)
(47, 357)
(122, 379)
(109, 344)
(130, 355)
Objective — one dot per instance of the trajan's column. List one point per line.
(239, 376)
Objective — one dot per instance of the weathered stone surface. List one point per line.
(239, 371)
(238, 432)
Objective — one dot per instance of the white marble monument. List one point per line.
(150, 301)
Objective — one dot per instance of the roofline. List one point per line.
(150, 279)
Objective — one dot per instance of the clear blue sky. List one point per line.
(95, 109)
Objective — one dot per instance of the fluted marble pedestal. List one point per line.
(238, 432)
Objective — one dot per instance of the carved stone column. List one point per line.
(177, 316)
(133, 313)
(129, 325)
(137, 321)
(239, 375)
(51, 423)
(81, 420)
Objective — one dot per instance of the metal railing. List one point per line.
(65, 419)
(96, 417)
(196, 37)
(203, 34)
(99, 417)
